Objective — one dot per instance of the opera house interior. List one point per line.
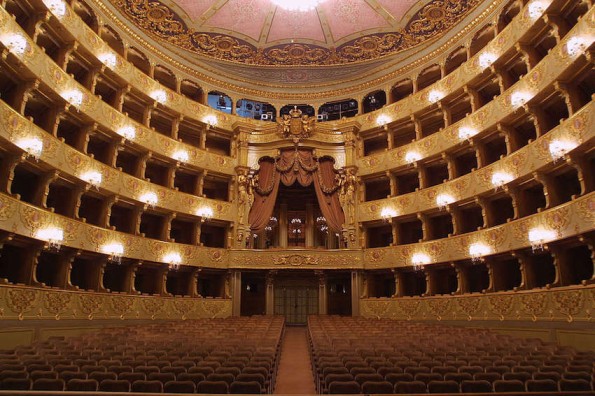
(313, 196)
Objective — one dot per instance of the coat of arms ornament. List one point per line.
(296, 125)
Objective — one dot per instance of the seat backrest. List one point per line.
(15, 384)
(82, 385)
(377, 387)
(147, 386)
(553, 375)
(404, 387)
(574, 385)
(163, 377)
(361, 378)
(49, 384)
(443, 387)
(99, 376)
(112, 385)
(179, 387)
(344, 387)
(509, 386)
(476, 386)
(220, 387)
(427, 377)
(245, 387)
(251, 377)
(490, 377)
(542, 385)
(393, 378)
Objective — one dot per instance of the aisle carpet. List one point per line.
(295, 372)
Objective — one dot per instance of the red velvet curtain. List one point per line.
(302, 166)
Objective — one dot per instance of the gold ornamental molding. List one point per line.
(571, 219)
(579, 128)
(564, 304)
(296, 258)
(27, 303)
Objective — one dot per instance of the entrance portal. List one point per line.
(296, 299)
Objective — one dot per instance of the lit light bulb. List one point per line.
(205, 213)
(150, 198)
(519, 98)
(16, 43)
(173, 259)
(128, 132)
(57, 7)
(210, 120)
(501, 178)
(576, 45)
(94, 178)
(539, 235)
(33, 146)
(383, 120)
(478, 250)
(159, 96)
(536, 9)
(412, 156)
(443, 200)
(109, 59)
(114, 250)
(486, 59)
(74, 97)
(388, 213)
(181, 155)
(435, 95)
(466, 132)
(420, 259)
(559, 148)
(302, 5)
(52, 235)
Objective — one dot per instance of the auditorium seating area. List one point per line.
(357, 355)
(233, 355)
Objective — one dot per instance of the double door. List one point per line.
(296, 302)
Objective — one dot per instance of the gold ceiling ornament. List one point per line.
(162, 22)
(296, 125)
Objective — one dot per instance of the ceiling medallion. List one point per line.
(297, 5)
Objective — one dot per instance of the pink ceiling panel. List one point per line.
(242, 16)
(397, 8)
(195, 8)
(346, 17)
(295, 25)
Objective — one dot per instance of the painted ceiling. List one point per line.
(256, 32)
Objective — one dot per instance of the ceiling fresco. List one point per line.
(256, 32)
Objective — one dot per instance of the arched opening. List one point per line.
(333, 111)
(220, 101)
(256, 110)
(374, 101)
(305, 109)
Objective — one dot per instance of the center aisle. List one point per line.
(295, 372)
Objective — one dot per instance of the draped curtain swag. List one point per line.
(300, 165)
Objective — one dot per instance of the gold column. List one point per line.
(235, 280)
(270, 292)
(322, 297)
(283, 226)
(309, 226)
(356, 292)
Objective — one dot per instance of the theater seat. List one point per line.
(147, 386)
(212, 387)
(82, 385)
(476, 386)
(245, 387)
(443, 387)
(509, 386)
(543, 385)
(15, 384)
(112, 385)
(344, 388)
(404, 387)
(574, 385)
(49, 384)
(377, 387)
(179, 387)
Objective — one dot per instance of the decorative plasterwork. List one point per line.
(563, 304)
(162, 22)
(21, 302)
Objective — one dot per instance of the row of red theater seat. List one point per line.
(360, 353)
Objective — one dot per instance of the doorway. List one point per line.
(296, 299)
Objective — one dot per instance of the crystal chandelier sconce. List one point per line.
(94, 178)
(53, 237)
(418, 260)
(159, 96)
(538, 236)
(487, 59)
(383, 121)
(15, 43)
(478, 250)
(181, 156)
(127, 132)
(210, 120)
(499, 179)
(435, 96)
(57, 7)
(295, 5)
(32, 146)
(109, 59)
(174, 260)
(443, 200)
(149, 198)
(322, 224)
(519, 98)
(74, 97)
(205, 213)
(412, 157)
(387, 214)
(466, 133)
(536, 9)
(271, 224)
(114, 250)
(559, 148)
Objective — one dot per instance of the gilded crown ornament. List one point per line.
(296, 125)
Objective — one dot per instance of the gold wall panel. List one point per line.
(579, 128)
(43, 68)
(69, 161)
(23, 219)
(543, 75)
(296, 259)
(567, 220)
(17, 302)
(568, 304)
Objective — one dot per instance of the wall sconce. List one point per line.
(57, 7)
(149, 198)
(536, 9)
(94, 178)
(499, 179)
(211, 120)
(388, 213)
(478, 250)
(418, 260)
(559, 148)
(159, 96)
(486, 59)
(127, 132)
(74, 97)
(519, 98)
(435, 96)
(383, 120)
(443, 200)
(538, 236)
(181, 156)
(52, 235)
(109, 59)
(32, 146)
(114, 250)
(174, 260)
(466, 133)
(412, 156)
(205, 213)
(15, 43)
